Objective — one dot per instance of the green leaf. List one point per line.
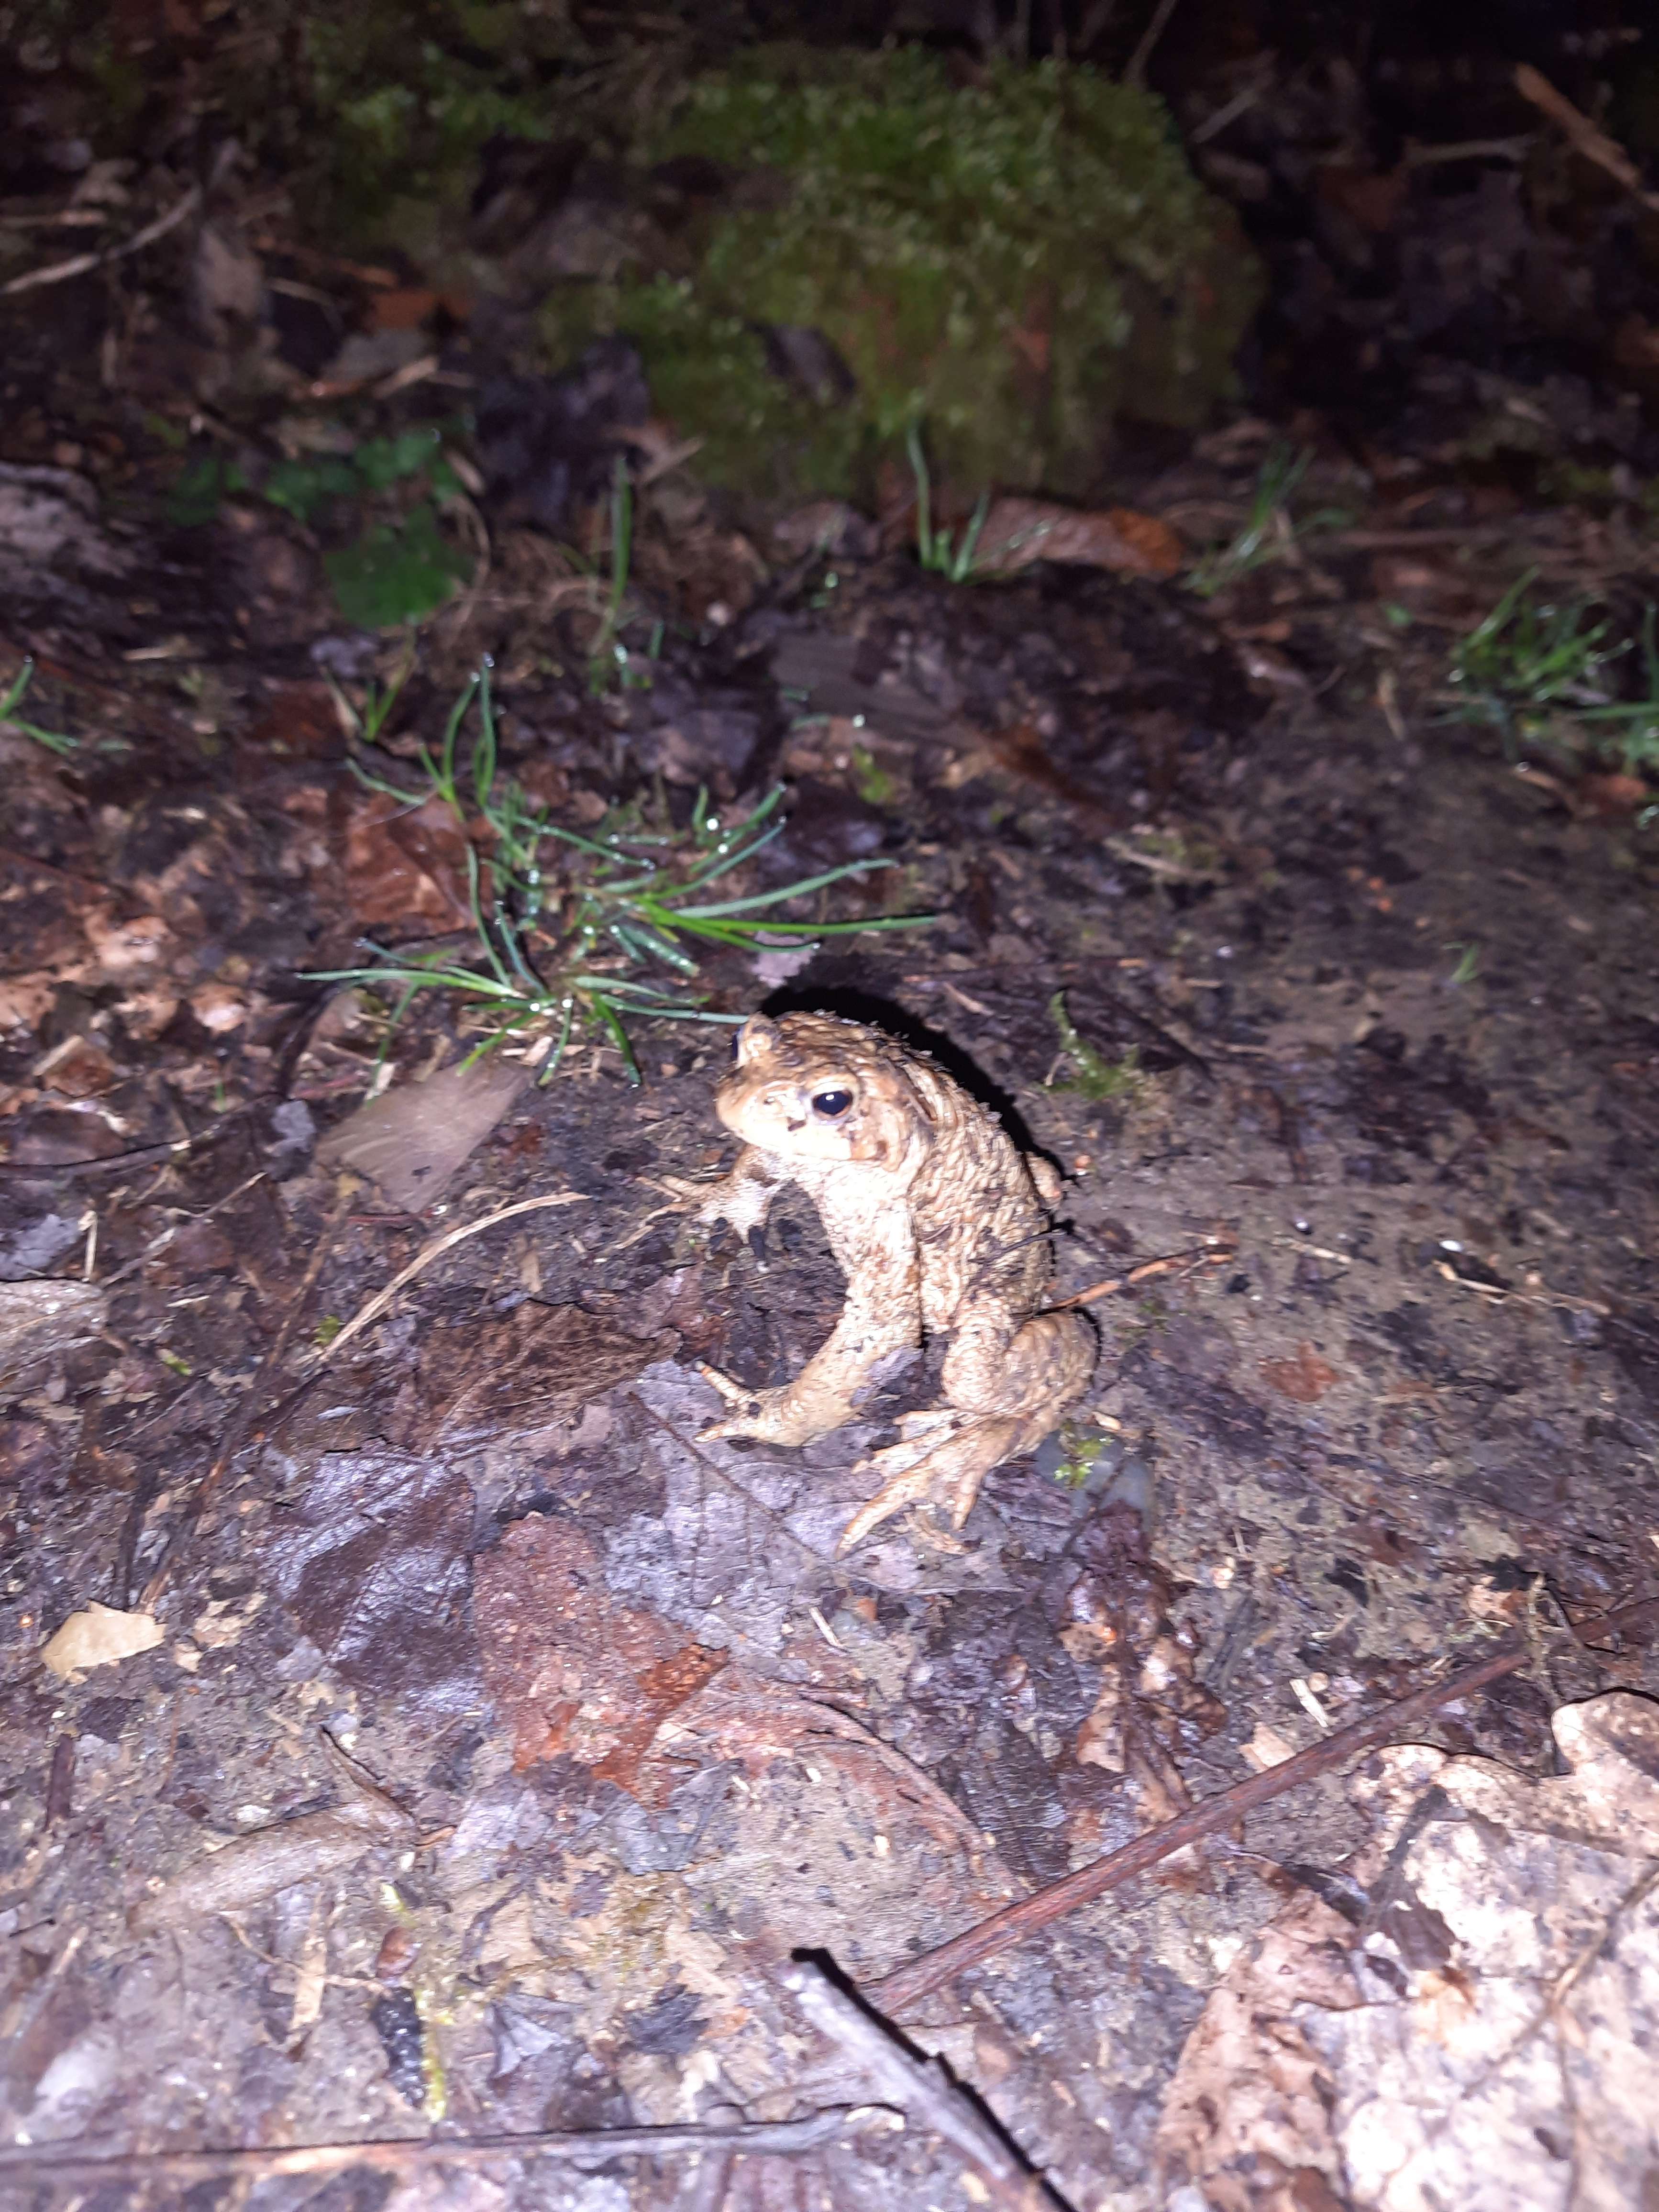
(382, 462)
(303, 488)
(394, 574)
(203, 490)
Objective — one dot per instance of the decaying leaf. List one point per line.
(1305, 1378)
(1019, 531)
(404, 864)
(574, 1672)
(97, 1638)
(537, 1365)
(39, 1322)
(413, 1140)
(1488, 2035)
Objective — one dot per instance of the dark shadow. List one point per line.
(937, 2087)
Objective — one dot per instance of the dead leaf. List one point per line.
(574, 1672)
(1306, 1377)
(1635, 343)
(404, 864)
(416, 1138)
(1241, 2097)
(1019, 531)
(98, 1638)
(1509, 2058)
(537, 1365)
(39, 1322)
(1370, 198)
(79, 1067)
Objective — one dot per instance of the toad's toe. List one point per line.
(945, 1456)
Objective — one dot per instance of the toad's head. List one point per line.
(808, 1087)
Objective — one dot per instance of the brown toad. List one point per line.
(937, 1221)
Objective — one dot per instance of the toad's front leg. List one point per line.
(879, 1325)
(834, 1386)
(744, 1197)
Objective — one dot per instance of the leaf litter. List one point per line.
(643, 1735)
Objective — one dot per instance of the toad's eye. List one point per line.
(832, 1104)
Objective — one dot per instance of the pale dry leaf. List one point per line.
(98, 1637)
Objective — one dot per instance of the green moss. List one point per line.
(1011, 263)
(1094, 1075)
(709, 375)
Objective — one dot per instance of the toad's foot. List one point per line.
(781, 1416)
(945, 1456)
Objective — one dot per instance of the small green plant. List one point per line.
(1269, 532)
(399, 568)
(938, 550)
(394, 572)
(1468, 965)
(1094, 1075)
(53, 740)
(1081, 1442)
(608, 656)
(202, 489)
(570, 927)
(1537, 673)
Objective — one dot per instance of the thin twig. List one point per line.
(1149, 37)
(923, 2090)
(897, 1992)
(174, 1148)
(1217, 1255)
(1594, 144)
(366, 1316)
(588, 2146)
(60, 271)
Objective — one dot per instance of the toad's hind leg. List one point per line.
(1005, 1388)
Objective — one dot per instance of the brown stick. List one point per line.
(60, 271)
(1595, 145)
(897, 1992)
(588, 2147)
(1207, 1255)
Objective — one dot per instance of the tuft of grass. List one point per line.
(1094, 1075)
(607, 657)
(938, 550)
(1269, 533)
(575, 931)
(53, 740)
(1538, 673)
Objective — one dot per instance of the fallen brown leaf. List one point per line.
(1019, 531)
(1306, 1377)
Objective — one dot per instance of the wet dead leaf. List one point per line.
(538, 1365)
(1487, 2035)
(98, 1638)
(1019, 531)
(404, 864)
(574, 1672)
(1306, 1377)
(413, 1140)
(39, 1322)
(373, 1561)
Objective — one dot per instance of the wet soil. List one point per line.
(1395, 1033)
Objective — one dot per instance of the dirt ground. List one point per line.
(434, 1775)
(645, 1736)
